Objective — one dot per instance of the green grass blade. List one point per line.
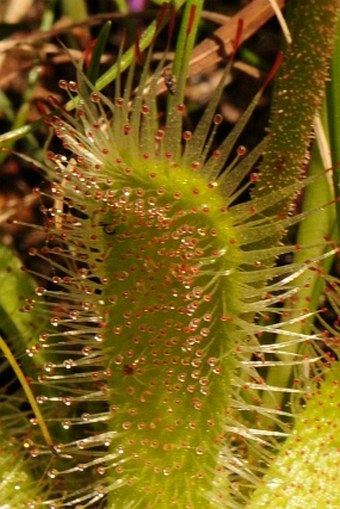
(93, 69)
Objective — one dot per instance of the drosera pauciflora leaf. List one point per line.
(333, 114)
(17, 285)
(153, 299)
(294, 107)
(288, 151)
(17, 485)
(306, 471)
(153, 355)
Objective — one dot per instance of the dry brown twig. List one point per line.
(219, 45)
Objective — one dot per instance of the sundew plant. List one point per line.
(173, 340)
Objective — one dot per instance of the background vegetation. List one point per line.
(295, 461)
